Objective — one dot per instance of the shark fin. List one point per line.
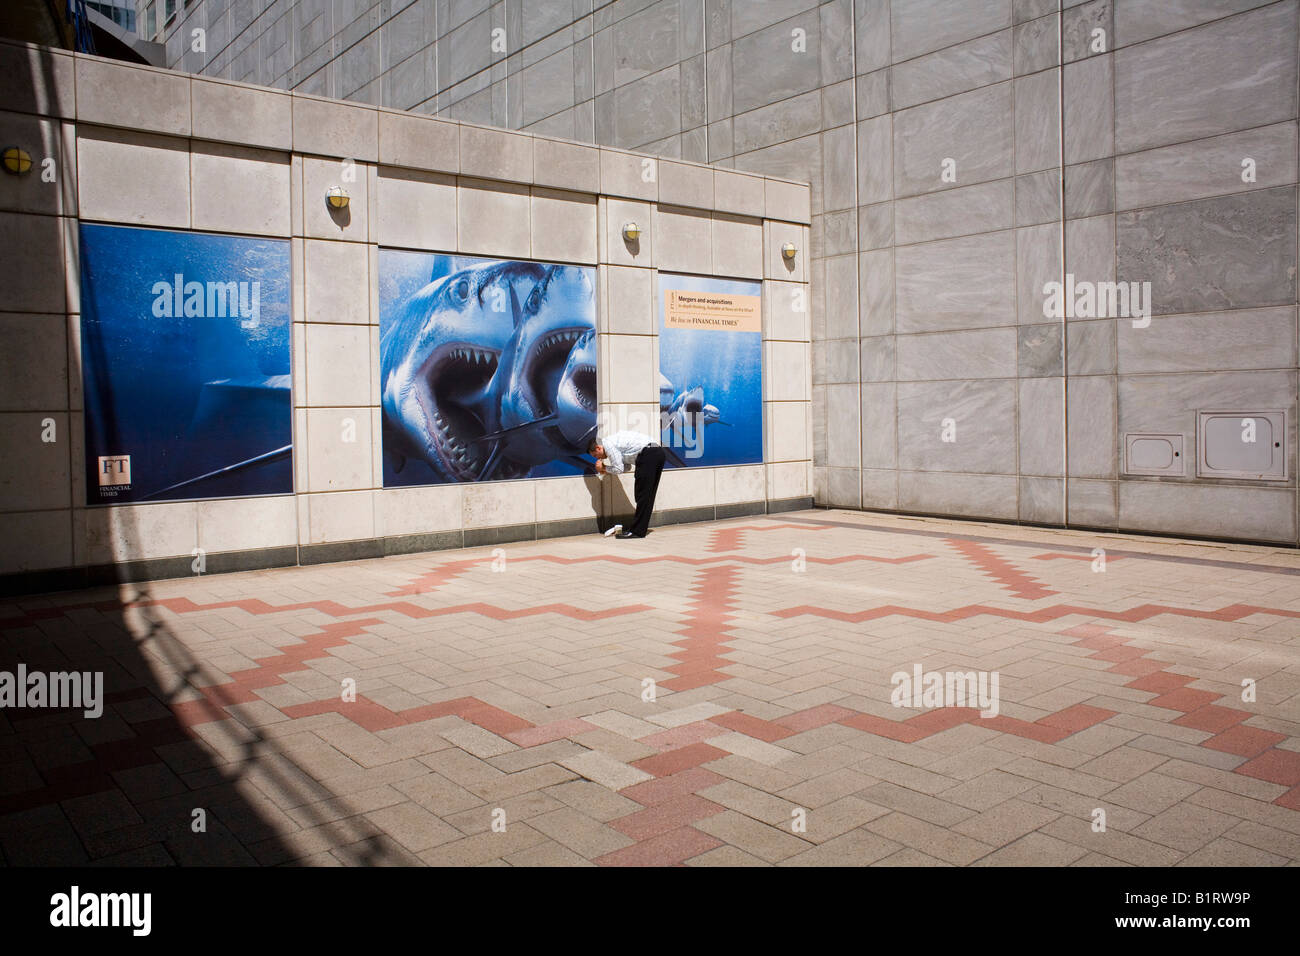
(278, 453)
(518, 429)
(515, 309)
(442, 266)
(490, 466)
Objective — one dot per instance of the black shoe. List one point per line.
(628, 534)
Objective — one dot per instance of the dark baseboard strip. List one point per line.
(418, 543)
(569, 527)
(151, 569)
(42, 582)
(157, 569)
(231, 561)
(789, 504)
(505, 534)
(683, 516)
(1059, 546)
(340, 551)
(740, 509)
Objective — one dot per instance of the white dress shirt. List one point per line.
(621, 449)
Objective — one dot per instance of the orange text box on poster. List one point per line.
(712, 310)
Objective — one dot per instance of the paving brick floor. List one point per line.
(715, 694)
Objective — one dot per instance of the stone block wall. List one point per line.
(1103, 139)
(138, 146)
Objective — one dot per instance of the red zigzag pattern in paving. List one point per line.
(1199, 711)
(1009, 576)
(705, 631)
(1043, 615)
(662, 829)
(732, 537)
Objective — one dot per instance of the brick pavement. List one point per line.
(715, 694)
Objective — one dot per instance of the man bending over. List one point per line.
(620, 451)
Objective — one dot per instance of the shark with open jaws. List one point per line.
(439, 362)
(546, 378)
(478, 381)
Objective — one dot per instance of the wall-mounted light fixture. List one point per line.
(337, 198)
(788, 250)
(631, 231)
(17, 160)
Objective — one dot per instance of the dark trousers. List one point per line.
(649, 466)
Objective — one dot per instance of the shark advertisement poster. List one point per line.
(711, 369)
(185, 365)
(487, 368)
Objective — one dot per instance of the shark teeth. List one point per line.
(461, 456)
(581, 384)
(473, 356)
(557, 339)
(449, 438)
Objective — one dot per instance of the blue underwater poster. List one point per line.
(487, 368)
(711, 369)
(185, 365)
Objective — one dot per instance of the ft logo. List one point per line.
(114, 470)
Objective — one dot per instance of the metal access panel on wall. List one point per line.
(1237, 444)
(1154, 455)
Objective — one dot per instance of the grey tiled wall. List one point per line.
(1105, 140)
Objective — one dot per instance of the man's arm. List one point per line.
(613, 460)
